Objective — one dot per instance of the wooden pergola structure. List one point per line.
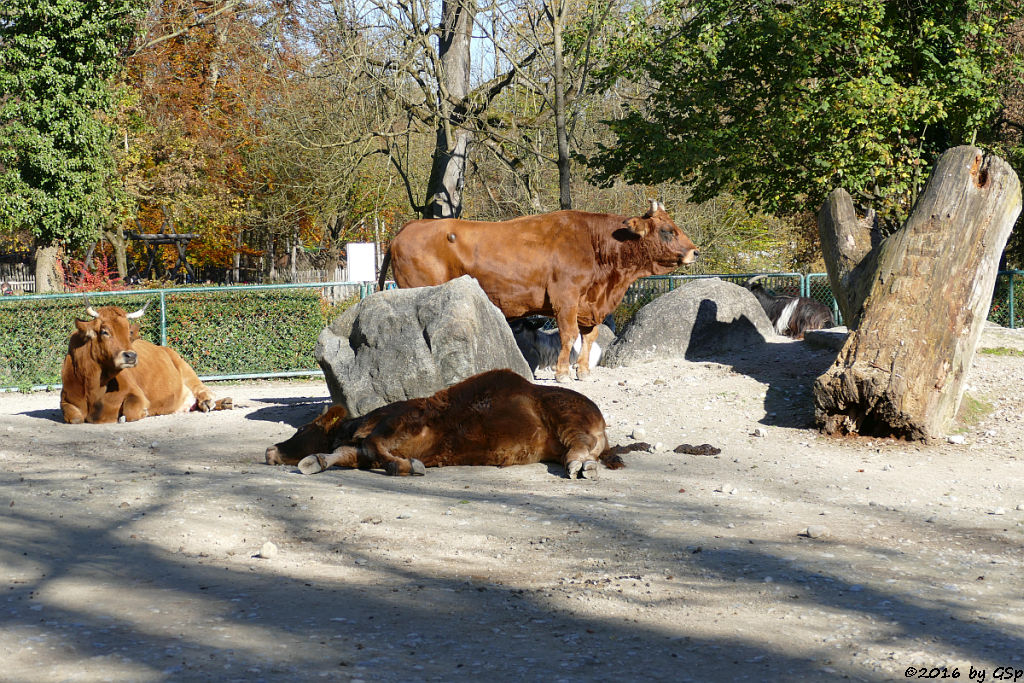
(153, 241)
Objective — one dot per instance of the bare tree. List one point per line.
(424, 65)
(320, 136)
(558, 78)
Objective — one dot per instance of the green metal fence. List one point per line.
(1004, 310)
(167, 313)
(272, 335)
(817, 286)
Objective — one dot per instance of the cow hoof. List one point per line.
(590, 470)
(225, 404)
(312, 464)
(394, 468)
(273, 457)
(573, 467)
(563, 377)
(205, 405)
(122, 419)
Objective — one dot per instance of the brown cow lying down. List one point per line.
(494, 418)
(110, 375)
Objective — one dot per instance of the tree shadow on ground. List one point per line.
(294, 412)
(788, 368)
(86, 591)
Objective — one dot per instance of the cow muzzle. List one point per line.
(273, 456)
(689, 257)
(127, 359)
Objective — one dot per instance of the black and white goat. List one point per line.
(791, 315)
(540, 347)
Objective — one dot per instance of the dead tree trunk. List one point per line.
(850, 247)
(918, 300)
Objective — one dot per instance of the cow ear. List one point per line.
(333, 415)
(85, 328)
(133, 334)
(637, 226)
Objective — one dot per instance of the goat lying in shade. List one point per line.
(541, 347)
(791, 315)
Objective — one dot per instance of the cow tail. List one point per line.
(384, 270)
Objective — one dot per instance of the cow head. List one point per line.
(669, 245)
(315, 437)
(109, 333)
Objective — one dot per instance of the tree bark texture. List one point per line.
(448, 169)
(120, 244)
(928, 290)
(47, 278)
(850, 247)
(557, 14)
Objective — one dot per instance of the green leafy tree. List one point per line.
(57, 173)
(782, 101)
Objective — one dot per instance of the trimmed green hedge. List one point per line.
(217, 333)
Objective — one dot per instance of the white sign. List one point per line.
(360, 257)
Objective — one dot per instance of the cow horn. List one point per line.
(750, 283)
(89, 310)
(138, 314)
(654, 206)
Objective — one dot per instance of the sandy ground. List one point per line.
(133, 552)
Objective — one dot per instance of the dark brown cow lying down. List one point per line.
(494, 418)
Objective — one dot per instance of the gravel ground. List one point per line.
(164, 550)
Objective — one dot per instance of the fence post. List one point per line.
(1013, 322)
(163, 319)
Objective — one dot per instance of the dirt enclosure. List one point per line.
(134, 552)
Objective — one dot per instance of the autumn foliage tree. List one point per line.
(193, 76)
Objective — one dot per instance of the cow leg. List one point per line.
(135, 407)
(583, 436)
(589, 335)
(581, 457)
(345, 456)
(205, 400)
(568, 330)
(119, 406)
(72, 413)
(376, 449)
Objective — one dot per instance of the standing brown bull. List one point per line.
(572, 265)
(110, 375)
(493, 418)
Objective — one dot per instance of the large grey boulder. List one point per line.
(701, 319)
(409, 343)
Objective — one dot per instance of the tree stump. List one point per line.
(918, 299)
